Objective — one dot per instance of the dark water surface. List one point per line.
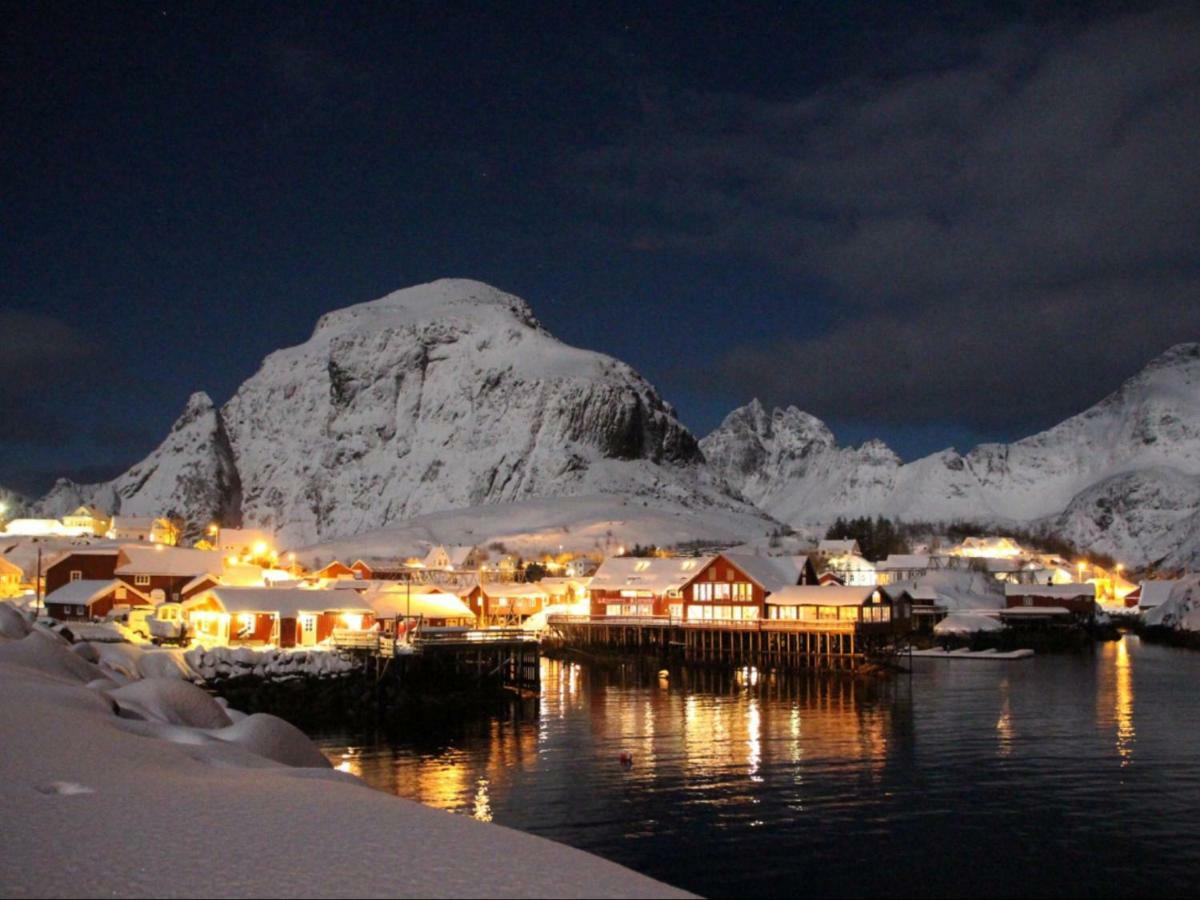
(1060, 775)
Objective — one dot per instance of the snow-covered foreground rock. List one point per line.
(1123, 477)
(166, 799)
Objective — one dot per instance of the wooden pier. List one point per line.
(828, 645)
(505, 657)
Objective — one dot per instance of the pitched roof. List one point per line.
(85, 592)
(158, 559)
(516, 589)
(653, 574)
(903, 561)
(286, 601)
(770, 572)
(8, 568)
(838, 546)
(1155, 593)
(430, 604)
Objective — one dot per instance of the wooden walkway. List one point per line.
(509, 656)
(782, 644)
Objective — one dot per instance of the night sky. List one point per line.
(929, 226)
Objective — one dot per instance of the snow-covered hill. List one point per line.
(1122, 477)
(441, 396)
(12, 504)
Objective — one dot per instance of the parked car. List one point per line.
(133, 618)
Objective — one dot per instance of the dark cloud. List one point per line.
(1004, 236)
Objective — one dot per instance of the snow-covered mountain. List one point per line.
(1122, 477)
(192, 474)
(441, 396)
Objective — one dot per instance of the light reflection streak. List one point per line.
(1123, 712)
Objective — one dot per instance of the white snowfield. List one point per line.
(531, 527)
(177, 797)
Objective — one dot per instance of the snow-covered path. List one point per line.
(99, 805)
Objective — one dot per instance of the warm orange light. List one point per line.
(260, 549)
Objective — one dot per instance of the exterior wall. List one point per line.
(170, 585)
(64, 612)
(1083, 606)
(261, 631)
(734, 595)
(94, 566)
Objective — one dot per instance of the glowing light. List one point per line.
(260, 549)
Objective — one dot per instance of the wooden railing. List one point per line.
(786, 625)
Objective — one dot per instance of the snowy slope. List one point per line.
(441, 396)
(192, 474)
(1122, 477)
(532, 527)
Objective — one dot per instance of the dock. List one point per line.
(506, 657)
(829, 644)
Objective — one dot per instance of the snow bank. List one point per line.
(47, 654)
(230, 662)
(966, 623)
(251, 827)
(273, 738)
(12, 624)
(171, 701)
(963, 590)
(1181, 610)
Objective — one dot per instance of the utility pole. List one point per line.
(37, 607)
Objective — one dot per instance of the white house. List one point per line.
(143, 529)
(86, 520)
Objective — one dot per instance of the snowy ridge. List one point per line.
(1123, 477)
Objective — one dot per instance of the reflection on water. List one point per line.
(960, 778)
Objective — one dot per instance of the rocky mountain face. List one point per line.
(191, 475)
(1122, 477)
(440, 396)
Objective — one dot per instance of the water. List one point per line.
(1061, 775)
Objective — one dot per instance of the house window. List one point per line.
(120, 593)
(141, 580)
(76, 575)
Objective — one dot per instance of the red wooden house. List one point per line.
(80, 565)
(83, 600)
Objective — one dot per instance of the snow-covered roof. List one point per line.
(827, 595)
(967, 623)
(85, 592)
(1050, 590)
(1001, 564)
(651, 574)
(134, 522)
(1035, 611)
(770, 572)
(9, 568)
(158, 559)
(924, 594)
(427, 603)
(836, 547)
(1155, 593)
(286, 601)
(903, 561)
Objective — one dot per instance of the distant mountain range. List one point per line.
(452, 395)
(1123, 477)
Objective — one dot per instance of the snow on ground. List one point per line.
(99, 804)
(532, 527)
(966, 623)
(1180, 611)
